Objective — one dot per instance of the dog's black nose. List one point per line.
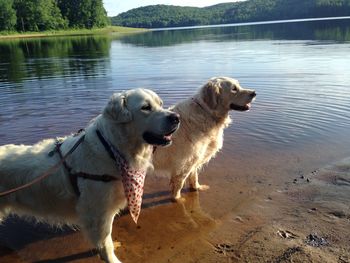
(174, 118)
(253, 94)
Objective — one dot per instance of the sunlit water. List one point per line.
(300, 119)
(51, 87)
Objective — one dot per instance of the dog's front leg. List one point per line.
(177, 182)
(98, 228)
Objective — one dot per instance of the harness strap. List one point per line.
(73, 177)
(116, 155)
(103, 178)
(105, 145)
(47, 172)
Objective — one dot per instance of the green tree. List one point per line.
(38, 15)
(7, 15)
(99, 16)
(84, 13)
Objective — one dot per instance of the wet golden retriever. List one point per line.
(132, 122)
(203, 120)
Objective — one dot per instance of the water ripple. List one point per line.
(303, 86)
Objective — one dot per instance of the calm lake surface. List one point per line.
(299, 122)
(300, 71)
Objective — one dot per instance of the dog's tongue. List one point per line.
(133, 182)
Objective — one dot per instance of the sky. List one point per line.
(114, 7)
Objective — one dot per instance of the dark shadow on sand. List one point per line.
(16, 232)
(70, 258)
(4, 251)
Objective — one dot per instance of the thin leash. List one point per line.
(47, 172)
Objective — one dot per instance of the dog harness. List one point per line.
(133, 180)
(73, 177)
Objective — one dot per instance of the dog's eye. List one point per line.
(234, 89)
(146, 107)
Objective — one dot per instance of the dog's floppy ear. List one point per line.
(117, 110)
(211, 94)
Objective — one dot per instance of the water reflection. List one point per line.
(321, 30)
(300, 71)
(51, 57)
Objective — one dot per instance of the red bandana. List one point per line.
(133, 181)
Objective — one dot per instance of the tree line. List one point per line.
(41, 15)
(246, 11)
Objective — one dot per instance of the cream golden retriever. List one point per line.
(132, 121)
(203, 120)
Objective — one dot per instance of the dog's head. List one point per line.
(142, 113)
(222, 94)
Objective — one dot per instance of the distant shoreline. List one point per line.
(128, 30)
(253, 23)
(72, 32)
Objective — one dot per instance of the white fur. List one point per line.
(54, 200)
(200, 135)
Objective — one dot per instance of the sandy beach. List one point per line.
(262, 212)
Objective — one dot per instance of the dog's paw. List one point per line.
(110, 259)
(202, 187)
(179, 199)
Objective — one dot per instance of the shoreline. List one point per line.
(73, 32)
(252, 23)
(257, 219)
(130, 30)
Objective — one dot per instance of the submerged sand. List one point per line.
(255, 211)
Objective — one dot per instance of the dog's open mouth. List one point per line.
(241, 108)
(157, 139)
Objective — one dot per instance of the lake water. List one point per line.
(300, 120)
(54, 86)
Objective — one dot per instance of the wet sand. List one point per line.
(276, 207)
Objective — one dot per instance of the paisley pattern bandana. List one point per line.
(133, 182)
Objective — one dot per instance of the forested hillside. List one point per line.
(40, 15)
(247, 11)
